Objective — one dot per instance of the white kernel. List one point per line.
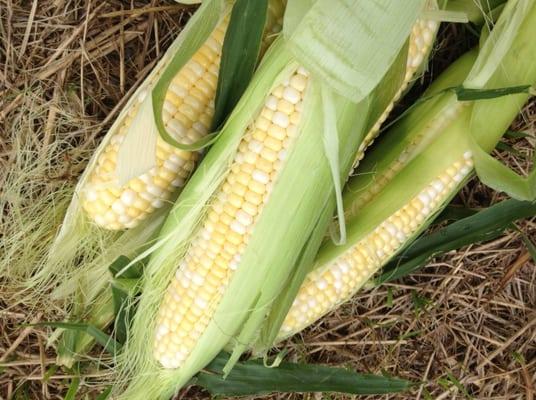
(244, 218)
(237, 227)
(344, 266)
(390, 228)
(438, 186)
(154, 190)
(196, 67)
(175, 159)
(468, 155)
(176, 127)
(233, 266)
(291, 95)
(128, 197)
(302, 71)
(458, 177)
(336, 272)
(116, 139)
(282, 155)
(321, 283)
(312, 302)
(200, 128)
(99, 219)
(201, 303)
(170, 108)
(431, 192)
(255, 146)
(260, 176)
(171, 166)
(401, 236)
(281, 119)
(271, 103)
(91, 195)
(213, 44)
(424, 198)
(157, 203)
(465, 170)
(197, 279)
(162, 330)
(178, 90)
(124, 219)
(419, 58)
(118, 207)
(146, 196)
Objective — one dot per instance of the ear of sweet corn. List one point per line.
(239, 226)
(81, 247)
(410, 59)
(427, 175)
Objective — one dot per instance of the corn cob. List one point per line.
(326, 287)
(188, 111)
(442, 139)
(215, 252)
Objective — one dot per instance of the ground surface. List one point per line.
(465, 325)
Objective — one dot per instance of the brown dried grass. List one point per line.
(465, 325)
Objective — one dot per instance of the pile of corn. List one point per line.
(234, 233)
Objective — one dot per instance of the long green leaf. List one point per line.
(253, 378)
(240, 52)
(484, 225)
(123, 291)
(73, 389)
(106, 341)
(118, 268)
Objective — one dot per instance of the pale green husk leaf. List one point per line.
(347, 44)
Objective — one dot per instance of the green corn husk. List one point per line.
(432, 152)
(298, 203)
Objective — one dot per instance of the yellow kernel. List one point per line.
(285, 106)
(273, 144)
(253, 198)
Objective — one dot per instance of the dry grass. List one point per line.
(465, 325)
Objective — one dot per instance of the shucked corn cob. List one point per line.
(432, 153)
(326, 287)
(188, 111)
(215, 252)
